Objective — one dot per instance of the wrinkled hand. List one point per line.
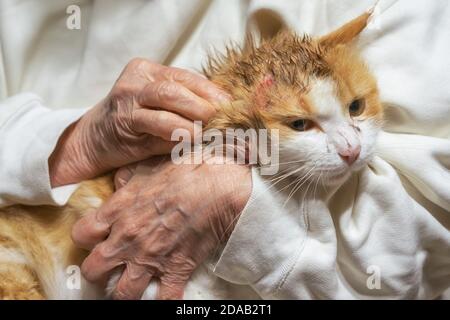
(135, 121)
(162, 224)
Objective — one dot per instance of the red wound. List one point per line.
(261, 92)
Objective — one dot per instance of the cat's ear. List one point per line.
(347, 32)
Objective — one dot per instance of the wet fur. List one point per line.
(269, 83)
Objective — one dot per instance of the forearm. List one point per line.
(71, 161)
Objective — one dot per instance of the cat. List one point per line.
(317, 92)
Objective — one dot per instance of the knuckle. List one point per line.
(181, 75)
(167, 90)
(130, 230)
(123, 89)
(155, 251)
(159, 205)
(104, 252)
(121, 199)
(162, 117)
(137, 62)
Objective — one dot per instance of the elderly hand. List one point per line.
(162, 224)
(135, 121)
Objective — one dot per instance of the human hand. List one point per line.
(134, 122)
(164, 222)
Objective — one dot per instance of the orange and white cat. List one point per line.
(318, 93)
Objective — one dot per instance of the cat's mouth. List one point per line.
(337, 176)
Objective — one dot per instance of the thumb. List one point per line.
(88, 231)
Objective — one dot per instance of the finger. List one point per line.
(160, 146)
(100, 262)
(198, 84)
(88, 231)
(170, 289)
(160, 123)
(153, 165)
(95, 227)
(173, 96)
(133, 282)
(123, 175)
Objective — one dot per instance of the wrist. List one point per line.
(69, 162)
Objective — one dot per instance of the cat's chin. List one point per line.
(333, 178)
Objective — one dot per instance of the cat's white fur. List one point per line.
(314, 153)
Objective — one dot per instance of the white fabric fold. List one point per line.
(28, 134)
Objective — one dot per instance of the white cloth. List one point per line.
(392, 220)
(28, 135)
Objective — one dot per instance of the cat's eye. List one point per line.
(301, 124)
(356, 108)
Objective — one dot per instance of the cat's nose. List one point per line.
(350, 154)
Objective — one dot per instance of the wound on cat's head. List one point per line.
(317, 92)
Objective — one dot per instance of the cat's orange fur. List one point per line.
(36, 232)
(41, 234)
(291, 61)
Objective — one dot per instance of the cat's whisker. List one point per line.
(299, 184)
(303, 203)
(315, 188)
(282, 176)
(283, 163)
(250, 202)
(297, 180)
(401, 146)
(324, 185)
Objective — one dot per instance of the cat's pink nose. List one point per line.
(350, 154)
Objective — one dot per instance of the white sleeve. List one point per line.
(28, 134)
(384, 234)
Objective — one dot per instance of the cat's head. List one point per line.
(318, 93)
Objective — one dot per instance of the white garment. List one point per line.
(391, 220)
